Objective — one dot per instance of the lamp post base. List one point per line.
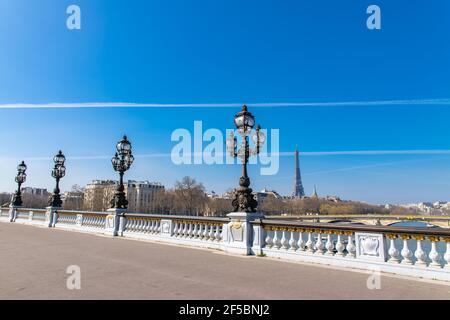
(240, 235)
(13, 212)
(244, 200)
(115, 222)
(51, 216)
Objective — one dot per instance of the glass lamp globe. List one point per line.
(59, 159)
(124, 146)
(259, 135)
(62, 171)
(244, 120)
(22, 167)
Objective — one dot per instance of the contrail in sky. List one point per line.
(81, 105)
(280, 154)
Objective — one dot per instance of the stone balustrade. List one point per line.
(192, 231)
(415, 252)
(418, 252)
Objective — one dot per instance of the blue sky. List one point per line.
(221, 52)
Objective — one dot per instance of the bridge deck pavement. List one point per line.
(33, 264)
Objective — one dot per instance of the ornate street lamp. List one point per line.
(21, 177)
(121, 162)
(244, 121)
(58, 172)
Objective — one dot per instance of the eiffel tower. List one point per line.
(298, 186)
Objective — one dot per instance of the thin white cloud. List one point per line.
(280, 154)
(77, 105)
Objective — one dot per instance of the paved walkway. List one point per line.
(33, 263)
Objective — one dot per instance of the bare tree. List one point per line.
(218, 207)
(190, 197)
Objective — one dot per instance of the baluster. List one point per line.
(149, 226)
(194, 233)
(200, 231)
(301, 243)
(176, 230)
(158, 222)
(320, 248)
(211, 232)
(189, 230)
(206, 232)
(276, 241)
(406, 252)
(329, 245)
(186, 230)
(310, 243)
(219, 233)
(269, 239)
(284, 241)
(447, 253)
(340, 247)
(393, 252)
(180, 229)
(434, 255)
(420, 255)
(351, 248)
(292, 242)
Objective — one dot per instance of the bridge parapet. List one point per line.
(416, 252)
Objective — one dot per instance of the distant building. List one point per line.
(427, 208)
(333, 199)
(140, 195)
(73, 200)
(35, 191)
(265, 193)
(228, 195)
(97, 195)
(212, 195)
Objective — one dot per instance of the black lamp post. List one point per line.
(21, 177)
(58, 172)
(122, 161)
(244, 121)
